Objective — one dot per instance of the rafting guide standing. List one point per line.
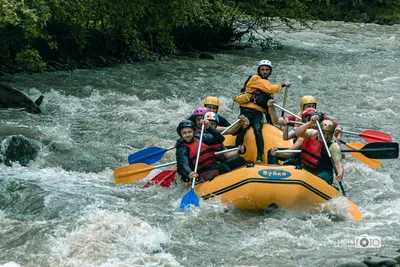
(259, 90)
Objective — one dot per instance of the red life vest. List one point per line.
(206, 157)
(314, 155)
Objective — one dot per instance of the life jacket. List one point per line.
(258, 97)
(314, 155)
(206, 157)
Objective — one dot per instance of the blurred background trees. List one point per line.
(35, 31)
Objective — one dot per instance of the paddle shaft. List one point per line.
(149, 169)
(370, 149)
(285, 110)
(330, 156)
(289, 151)
(226, 151)
(198, 154)
(230, 126)
(343, 150)
(284, 100)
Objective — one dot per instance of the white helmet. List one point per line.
(265, 62)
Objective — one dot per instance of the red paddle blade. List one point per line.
(164, 179)
(375, 136)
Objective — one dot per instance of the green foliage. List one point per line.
(146, 26)
(381, 11)
(31, 60)
(29, 16)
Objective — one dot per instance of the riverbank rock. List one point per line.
(373, 261)
(18, 148)
(386, 260)
(13, 98)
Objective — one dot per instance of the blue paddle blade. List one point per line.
(190, 198)
(148, 155)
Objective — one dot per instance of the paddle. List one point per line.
(148, 155)
(134, 172)
(190, 198)
(373, 163)
(153, 154)
(379, 150)
(284, 101)
(138, 171)
(230, 126)
(372, 136)
(369, 135)
(285, 110)
(376, 150)
(330, 156)
(164, 179)
(226, 150)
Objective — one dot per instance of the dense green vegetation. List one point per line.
(35, 31)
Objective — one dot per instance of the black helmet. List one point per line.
(185, 124)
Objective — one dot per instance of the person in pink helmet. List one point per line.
(199, 112)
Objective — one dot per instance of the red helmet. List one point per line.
(307, 112)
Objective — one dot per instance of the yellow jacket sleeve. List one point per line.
(258, 83)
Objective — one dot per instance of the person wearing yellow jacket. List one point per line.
(261, 90)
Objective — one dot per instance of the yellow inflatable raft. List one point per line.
(258, 187)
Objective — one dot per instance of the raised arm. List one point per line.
(301, 131)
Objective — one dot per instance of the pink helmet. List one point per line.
(200, 111)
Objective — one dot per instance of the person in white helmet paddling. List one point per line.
(260, 90)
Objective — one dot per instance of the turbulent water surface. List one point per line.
(64, 209)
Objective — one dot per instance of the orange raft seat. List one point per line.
(258, 187)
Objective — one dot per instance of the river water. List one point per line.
(64, 209)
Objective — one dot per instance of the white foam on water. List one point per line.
(105, 238)
(10, 264)
(391, 79)
(337, 207)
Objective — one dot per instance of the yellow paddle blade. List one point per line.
(373, 163)
(132, 173)
(355, 211)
